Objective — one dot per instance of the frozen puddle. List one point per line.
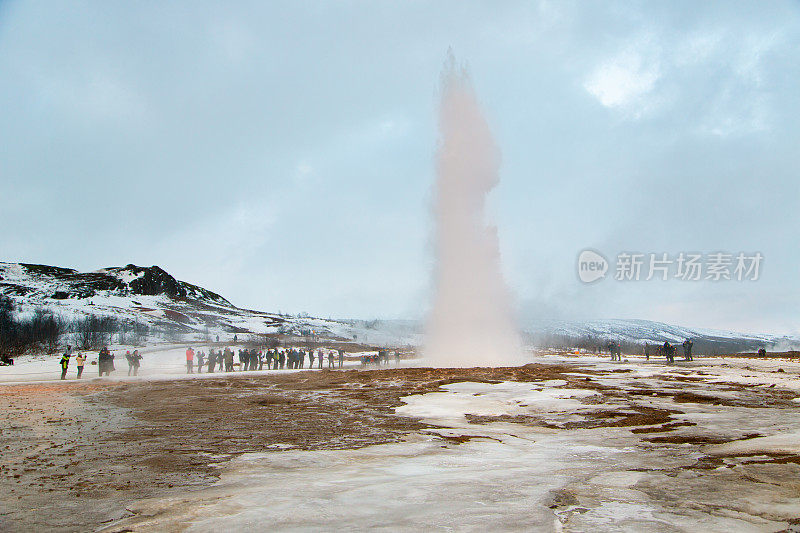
(511, 477)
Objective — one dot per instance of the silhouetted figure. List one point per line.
(228, 360)
(212, 361)
(136, 358)
(668, 352)
(105, 362)
(687, 349)
(129, 358)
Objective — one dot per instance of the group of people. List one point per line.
(252, 359)
(382, 357)
(80, 360)
(105, 362)
(668, 350)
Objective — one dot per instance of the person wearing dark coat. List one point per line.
(228, 360)
(668, 352)
(687, 349)
(136, 357)
(212, 361)
(105, 362)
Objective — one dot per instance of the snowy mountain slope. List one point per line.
(647, 331)
(42, 282)
(151, 296)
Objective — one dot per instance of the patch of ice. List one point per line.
(506, 398)
(788, 443)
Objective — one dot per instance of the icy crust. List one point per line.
(507, 398)
(784, 443)
(507, 476)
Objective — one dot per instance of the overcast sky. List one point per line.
(281, 153)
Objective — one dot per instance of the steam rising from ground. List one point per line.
(471, 323)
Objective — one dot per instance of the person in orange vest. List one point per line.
(189, 360)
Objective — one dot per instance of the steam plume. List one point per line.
(471, 322)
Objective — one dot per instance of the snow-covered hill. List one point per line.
(151, 296)
(546, 332)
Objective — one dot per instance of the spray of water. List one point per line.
(471, 322)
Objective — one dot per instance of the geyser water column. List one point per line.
(471, 322)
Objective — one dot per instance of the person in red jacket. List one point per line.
(189, 360)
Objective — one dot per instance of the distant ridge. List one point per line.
(152, 296)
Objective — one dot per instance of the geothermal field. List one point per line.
(563, 443)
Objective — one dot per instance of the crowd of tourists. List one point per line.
(105, 362)
(668, 350)
(221, 360)
(247, 359)
(227, 360)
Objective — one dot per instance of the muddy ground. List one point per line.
(75, 454)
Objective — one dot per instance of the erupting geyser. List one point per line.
(471, 323)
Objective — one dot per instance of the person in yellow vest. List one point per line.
(65, 362)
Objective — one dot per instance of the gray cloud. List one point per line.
(282, 154)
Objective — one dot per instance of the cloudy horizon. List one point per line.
(282, 154)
